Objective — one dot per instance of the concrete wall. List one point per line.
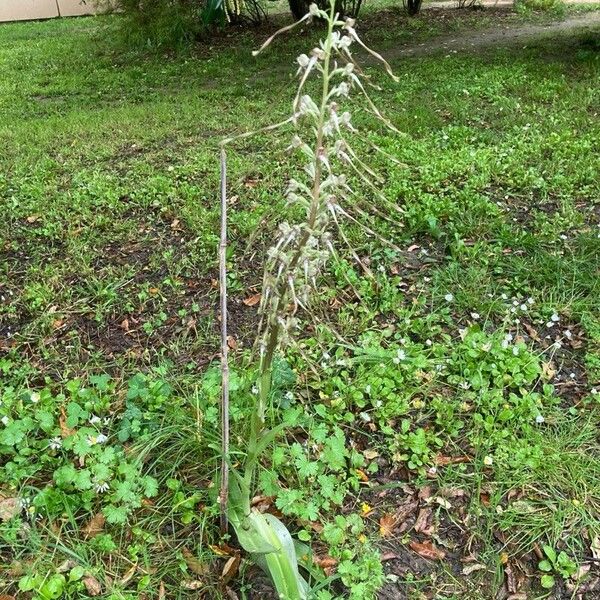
(24, 10)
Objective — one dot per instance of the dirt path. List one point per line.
(500, 35)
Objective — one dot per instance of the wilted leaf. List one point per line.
(65, 431)
(222, 550)
(128, 576)
(427, 550)
(65, 566)
(326, 563)
(192, 585)
(9, 508)
(232, 342)
(230, 569)
(595, 547)
(548, 370)
(370, 454)
(94, 526)
(194, 565)
(6, 597)
(467, 570)
(422, 522)
(441, 460)
(362, 475)
(162, 594)
(387, 524)
(32, 218)
(92, 585)
(252, 300)
(443, 502)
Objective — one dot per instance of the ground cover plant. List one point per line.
(445, 408)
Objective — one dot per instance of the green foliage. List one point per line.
(553, 6)
(558, 563)
(118, 225)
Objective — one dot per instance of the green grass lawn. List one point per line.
(456, 393)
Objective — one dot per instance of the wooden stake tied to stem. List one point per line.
(223, 493)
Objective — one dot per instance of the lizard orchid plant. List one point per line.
(323, 130)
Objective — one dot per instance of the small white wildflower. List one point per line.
(572, 375)
(95, 419)
(255, 389)
(593, 391)
(475, 315)
(504, 297)
(368, 389)
(515, 351)
(563, 237)
(101, 438)
(539, 419)
(5, 420)
(530, 300)
(488, 461)
(326, 356)
(55, 443)
(523, 307)
(428, 342)
(550, 324)
(35, 397)
(568, 334)
(289, 395)
(555, 318)
(448, 297)
(505, 344)
(464, 385)
(557, 345)
(101, 487)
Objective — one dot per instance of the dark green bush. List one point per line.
(173, 23)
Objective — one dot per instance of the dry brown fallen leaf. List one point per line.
(65, 431)
(192, 585)
(92, 585)
(6, 597)
(9, 508)
(387, 524)
(326, 563)
(548, 370)
(230, 569)
(422, 523)
(94, 526)
(252, 300)
(467, 570)
(427, 550)
(162, 594)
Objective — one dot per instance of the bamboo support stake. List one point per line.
(224, 491)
